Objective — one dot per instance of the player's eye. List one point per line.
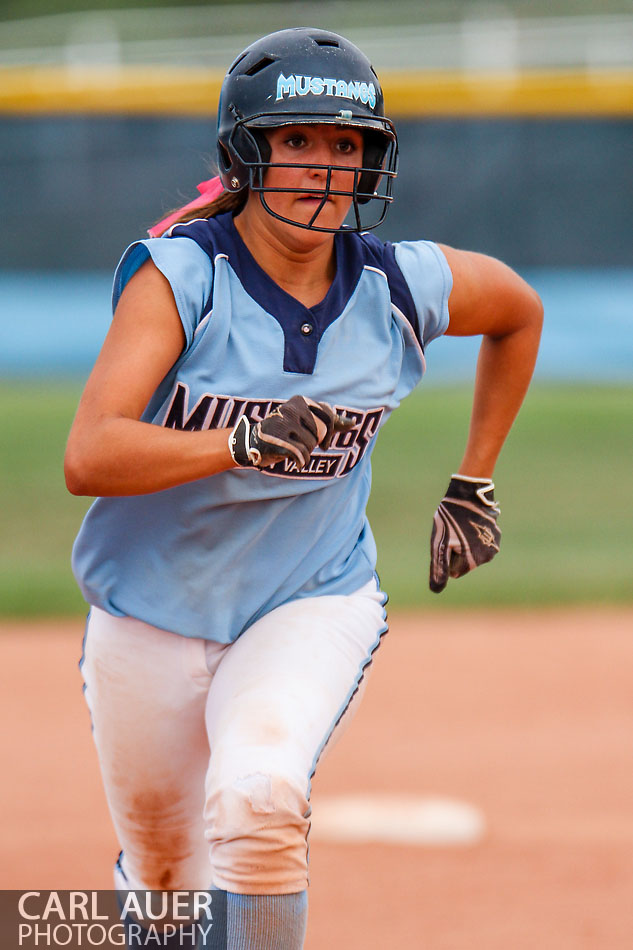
(347, 146)
(296, 140)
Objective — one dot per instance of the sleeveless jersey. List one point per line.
(208, 558)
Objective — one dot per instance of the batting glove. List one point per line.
(465, 532)
(292, 430)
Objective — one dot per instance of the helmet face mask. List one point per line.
(306, 77)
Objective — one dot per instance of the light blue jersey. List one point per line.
(208, 558)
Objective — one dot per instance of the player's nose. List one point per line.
(320, 155)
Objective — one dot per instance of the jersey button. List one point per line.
(306, 329)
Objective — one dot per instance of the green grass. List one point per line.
(40, 518)
(563, 483)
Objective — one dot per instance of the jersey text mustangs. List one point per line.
(218, 412)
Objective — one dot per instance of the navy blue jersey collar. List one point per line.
(302, 326)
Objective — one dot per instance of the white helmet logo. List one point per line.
(292, 86)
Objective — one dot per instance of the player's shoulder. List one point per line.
(373, 251)
(419, 280)
(187, 253)
(212, 235)
(362, 251)
(400, 257)
(402, 262)
(186, 265)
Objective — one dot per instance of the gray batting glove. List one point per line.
(465, 532)
(292, 430)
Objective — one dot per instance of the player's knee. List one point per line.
(254, 804)
(256, 827)
(151, 867)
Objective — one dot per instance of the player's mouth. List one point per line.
(313, 199)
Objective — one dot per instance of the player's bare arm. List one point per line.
(489, 298)
(111, 452)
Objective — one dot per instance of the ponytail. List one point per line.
(225, 201)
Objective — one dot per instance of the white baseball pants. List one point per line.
(207, 750)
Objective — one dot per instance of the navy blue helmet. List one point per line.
(305, 76)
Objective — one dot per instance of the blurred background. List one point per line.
(515, 123)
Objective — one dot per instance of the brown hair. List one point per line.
(226, 201)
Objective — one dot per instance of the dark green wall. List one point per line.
(535, 192)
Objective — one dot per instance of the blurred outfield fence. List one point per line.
(435, 59)
(53, 324)
(402, 35)
(516, 132)
(516, 127)
(515, 123)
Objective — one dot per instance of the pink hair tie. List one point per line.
(208, 191)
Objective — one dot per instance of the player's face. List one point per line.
(303, 145)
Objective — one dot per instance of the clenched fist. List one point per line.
(465, 532)
(292, 430)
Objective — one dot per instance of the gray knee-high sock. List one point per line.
(266, 921)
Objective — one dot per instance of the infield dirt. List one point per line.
(526, 715)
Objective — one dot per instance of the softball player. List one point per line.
(227, 427)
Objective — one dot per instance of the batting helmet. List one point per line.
(305, 76)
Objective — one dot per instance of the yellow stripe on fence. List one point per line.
(105, 90)
(136, 90)
(529, 94)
